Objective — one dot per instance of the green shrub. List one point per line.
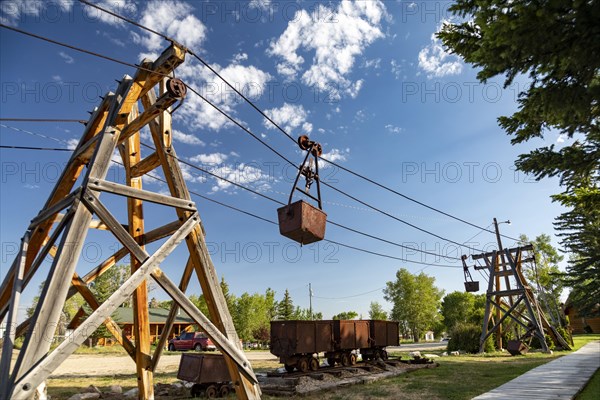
(535, 342)
(465, 337)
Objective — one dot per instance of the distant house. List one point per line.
(123, 316)
(581, 324)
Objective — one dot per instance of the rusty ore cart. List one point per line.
(208, 372)
(298, 343)
(381, 335)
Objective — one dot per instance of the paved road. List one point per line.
(419, 346)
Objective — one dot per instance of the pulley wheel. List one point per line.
(304, 142)
(176, 88)
(317, 150)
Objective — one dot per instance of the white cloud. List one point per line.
(242, 174)
(375, 63)
(393, 129)
(336, 36)
(72, 143)
(560, 139)
(126, 8)
(174, 19)
(68, 59)
(249, 80)
(187, 138)
(289, 117)
(237, 58)
(57, 78)
(112, 39)
(334, 155)
(436, 61)
(212, 159)
(13, 11)
(260, 4)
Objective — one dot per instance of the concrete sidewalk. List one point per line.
(562, 378)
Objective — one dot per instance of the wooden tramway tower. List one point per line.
(512, 306)
(61, 227)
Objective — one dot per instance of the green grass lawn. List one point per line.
(456, 378)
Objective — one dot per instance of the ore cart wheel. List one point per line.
(196, 390)
(198, 347)
(345, 359)
(352, 359)
(313, 364)
(289, 368)
(224, 391)
(384, 355)
(211, 392)
(302, 364)
(331, 361)
(376, 354)
(171, 347)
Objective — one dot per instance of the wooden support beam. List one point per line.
(164, 337)
(224, 344)
(490, 254)
(40, 371)
(205, 270)
(53, 211)
(55, 290)
(9, 334)
(94, 224)
(131, 154)
(96, 206)
(162, 104)
(111, 325)
(146, 165)
(139, 194)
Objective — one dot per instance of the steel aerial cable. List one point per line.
(270, 221)
(191, 88)
(399, 219)
(196, 56)
(33, 148)
(251, 103)
(255, 193)
(81, 121)
(282, 203)
(232, 120)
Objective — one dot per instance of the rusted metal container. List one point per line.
(302, 222)
(384, 333)
(203, 368)
(516, 347)
(351, 334)
(472, 286)
(290, 338)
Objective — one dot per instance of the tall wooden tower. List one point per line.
(75, 206)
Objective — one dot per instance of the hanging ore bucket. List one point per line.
(301, 221)
(470, 284)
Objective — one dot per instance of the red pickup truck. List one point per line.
(192, 340)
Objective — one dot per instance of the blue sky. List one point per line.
(366, 79)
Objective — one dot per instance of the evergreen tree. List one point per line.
(556, 43)
(285, 308)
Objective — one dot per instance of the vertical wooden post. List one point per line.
(141, 323)
(498, 299)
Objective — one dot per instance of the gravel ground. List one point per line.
(103, 365)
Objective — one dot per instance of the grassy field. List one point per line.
(456, 378)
